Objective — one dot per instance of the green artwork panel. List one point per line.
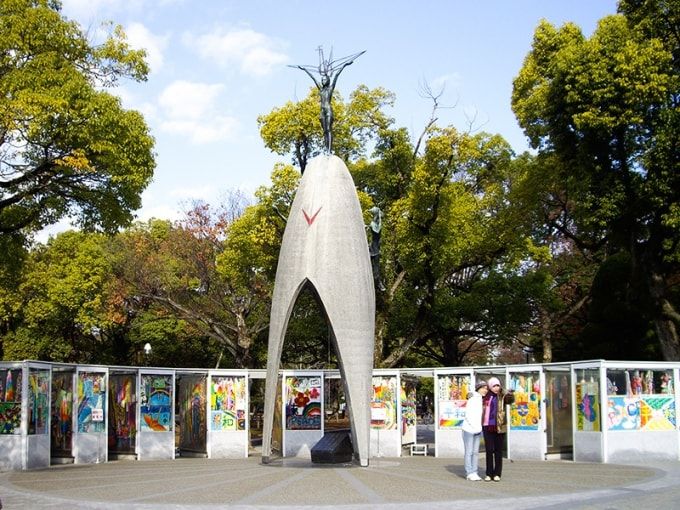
(38, 401)
(156, 403)
(91, 402)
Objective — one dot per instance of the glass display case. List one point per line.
(122, 413)
(588, 405)
(525, 411)
(155, 398)
(62, 414)
(384, 402)
(10, 400)
(453, 391)
(91, 402)
(640, 399)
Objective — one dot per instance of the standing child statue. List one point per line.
(374, 247)
(328, 70)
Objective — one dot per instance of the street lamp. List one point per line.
(147, 353)
(527, 351)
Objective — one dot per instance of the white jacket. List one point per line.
(473, 414)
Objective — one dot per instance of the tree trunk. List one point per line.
(666, 318)
(400, 351)
(668, 338)
(382, 301)
(451, 352)
(546, 337)
(378, 354)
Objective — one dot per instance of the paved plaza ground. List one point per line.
(403, 483)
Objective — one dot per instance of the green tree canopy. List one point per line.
(456, 249)
(603, 114)
(453, 239)
(61, 305)
(211, 271)
(295, 128)
(67, 147)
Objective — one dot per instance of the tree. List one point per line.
(656, 19)
(60, 307)
(167, 277)
(455, 241)
(212, 271)
(67, 147)
(452, 243)
(175, 342)
(295, 129)
(603, 114)
(10, 279)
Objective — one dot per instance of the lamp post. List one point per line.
(147, 353)
(527, 352)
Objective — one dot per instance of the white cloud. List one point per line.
(184, 99)
(260, 61)
(198, 193)
(202, 131)
(161, 212)
(255, 53)
(192, 109)
(447, 81)
(139, 37)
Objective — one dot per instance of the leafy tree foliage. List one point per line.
(295, 128)
(175, 270)
(10, 277)
(67, 147)
(603, 114)
(454, 241)
(213, 272)
(60, 307)
(573, 251)
(175, 342)
(308, 342)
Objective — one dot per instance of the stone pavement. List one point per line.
(404, 483)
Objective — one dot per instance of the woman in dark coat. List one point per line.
(494, 427)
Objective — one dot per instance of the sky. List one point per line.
(216, 65)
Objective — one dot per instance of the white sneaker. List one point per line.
(474, 477)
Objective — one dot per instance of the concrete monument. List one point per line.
(324, 245)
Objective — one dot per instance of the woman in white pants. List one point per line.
(472, 430)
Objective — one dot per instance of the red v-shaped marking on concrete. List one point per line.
(311, 220)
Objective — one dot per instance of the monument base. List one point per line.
(334, 448)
